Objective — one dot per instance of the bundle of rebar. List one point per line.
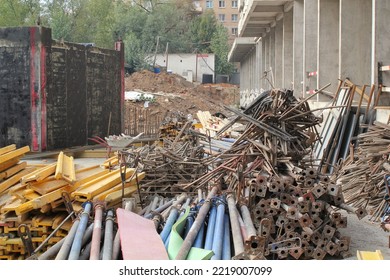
(362, 174)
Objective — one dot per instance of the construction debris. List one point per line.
(243, 187)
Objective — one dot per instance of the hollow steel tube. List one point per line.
(76, 245)
(108, 236)
(219, 231)
(189, 240)
(97, 233)
(226, 249)
(210, 228)
(238, 242)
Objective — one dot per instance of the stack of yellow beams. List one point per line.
(33, 195)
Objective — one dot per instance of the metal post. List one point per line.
(189, 240)
(67, 244)
(226, 250)
(199, 242)
(97, 233)
(169, 223)
(210, 228)
(246, 216)
(76, 245)
(108, 236)
(219, 231)
(53, 250)
(235, 225)
(117, 242)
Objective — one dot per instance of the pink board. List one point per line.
(139, 238)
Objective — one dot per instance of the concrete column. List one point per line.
(355, 40)
(272, 55)
(267, 60)
(328, 53)
(382, 43)
(263, 63)
(279, 54)
(298, 19)
(259, 64)
(288, 50)
(310, 43)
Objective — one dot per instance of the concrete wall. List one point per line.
(57, 94)
(181, 64)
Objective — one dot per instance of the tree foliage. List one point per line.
(139, 23)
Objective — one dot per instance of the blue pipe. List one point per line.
(169, 223)
(219, 231)
(199, 240)
(77, 242)
(210, 229)
(226, 249)
(189, 222)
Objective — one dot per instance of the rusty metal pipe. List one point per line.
(108, 236)
(246, 216)
(160, 209)
(189, 240)
(235, 225)
(97, 233)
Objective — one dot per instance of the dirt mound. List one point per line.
(162, 82)
(175, 94)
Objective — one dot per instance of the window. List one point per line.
(234, 30)
(209, 4)
(234, 17)
(222, 4)
(234, 4)
(221, 17)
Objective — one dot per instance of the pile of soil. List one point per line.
(175, 94)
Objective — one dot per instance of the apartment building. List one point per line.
(226, 11)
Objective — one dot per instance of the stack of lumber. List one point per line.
(41, 196)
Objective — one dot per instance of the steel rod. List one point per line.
(108, 236)
(77, 242)
(189, 240)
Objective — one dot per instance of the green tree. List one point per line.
(202, 30)
(19, 12)
(220, 47)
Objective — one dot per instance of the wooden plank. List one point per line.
(39, 174)
(13, 170)
(14, 154)
(13, 180)
(65, 168)
(49, 185)
(9, 163)
(7, 149)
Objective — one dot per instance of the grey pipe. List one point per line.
(76, 245)
(68, 240)
(189, 240)
(129, 206)
(108, 236)
(238, 242)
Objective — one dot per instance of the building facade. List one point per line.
(306, 44)
(226, 11)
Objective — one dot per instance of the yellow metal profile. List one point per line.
(14, 154)
(7, 149)
(96, 186)
(65, 168)
(367, 255)
(39, 174)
